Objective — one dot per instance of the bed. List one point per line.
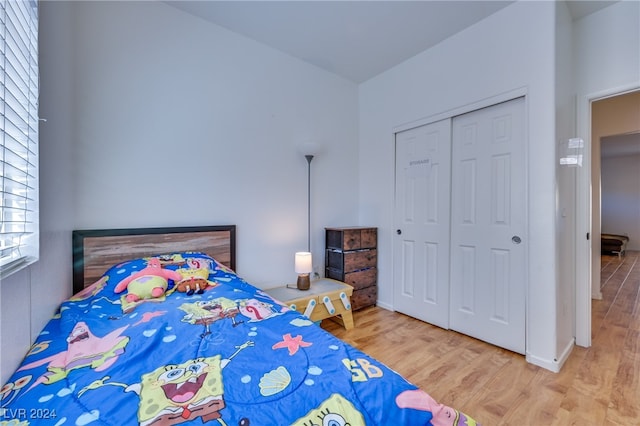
(208, 348)
(613, 244)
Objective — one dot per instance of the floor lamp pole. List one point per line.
(309, 158)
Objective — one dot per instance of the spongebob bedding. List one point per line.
(206, 348)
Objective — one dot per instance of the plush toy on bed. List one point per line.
(151, 282)
(195, 278)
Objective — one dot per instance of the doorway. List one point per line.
(460, 253)
(611, 117)
(609, 113)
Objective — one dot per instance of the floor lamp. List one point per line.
(309, 157)
(303, 260)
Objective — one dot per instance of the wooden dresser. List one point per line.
(351, 257)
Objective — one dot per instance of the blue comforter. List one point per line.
(208, 348)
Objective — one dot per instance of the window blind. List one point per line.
(19, 218)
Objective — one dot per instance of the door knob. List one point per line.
(398, 231)
(516, 240)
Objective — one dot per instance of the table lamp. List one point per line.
(303, 267)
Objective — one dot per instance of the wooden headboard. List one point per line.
(96, 250)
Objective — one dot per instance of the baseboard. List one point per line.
(383, 305)
(554, 365)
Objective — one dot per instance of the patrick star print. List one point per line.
(84, 349)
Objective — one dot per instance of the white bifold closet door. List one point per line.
(460, 215)
(422, 215)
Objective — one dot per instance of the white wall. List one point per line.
(566, 184)
(158, 118)
(621, 197)
(608, 48)
(512, 50)
(181, 122)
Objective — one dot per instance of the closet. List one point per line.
(461, 219)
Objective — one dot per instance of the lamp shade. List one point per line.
(309, 148)
(303, 265)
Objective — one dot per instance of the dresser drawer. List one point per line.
(351, 261)
(364, 297)
(357, 280)
(355, 238)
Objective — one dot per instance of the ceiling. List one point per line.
(354, 39)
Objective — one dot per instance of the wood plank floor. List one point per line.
(599, 385)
